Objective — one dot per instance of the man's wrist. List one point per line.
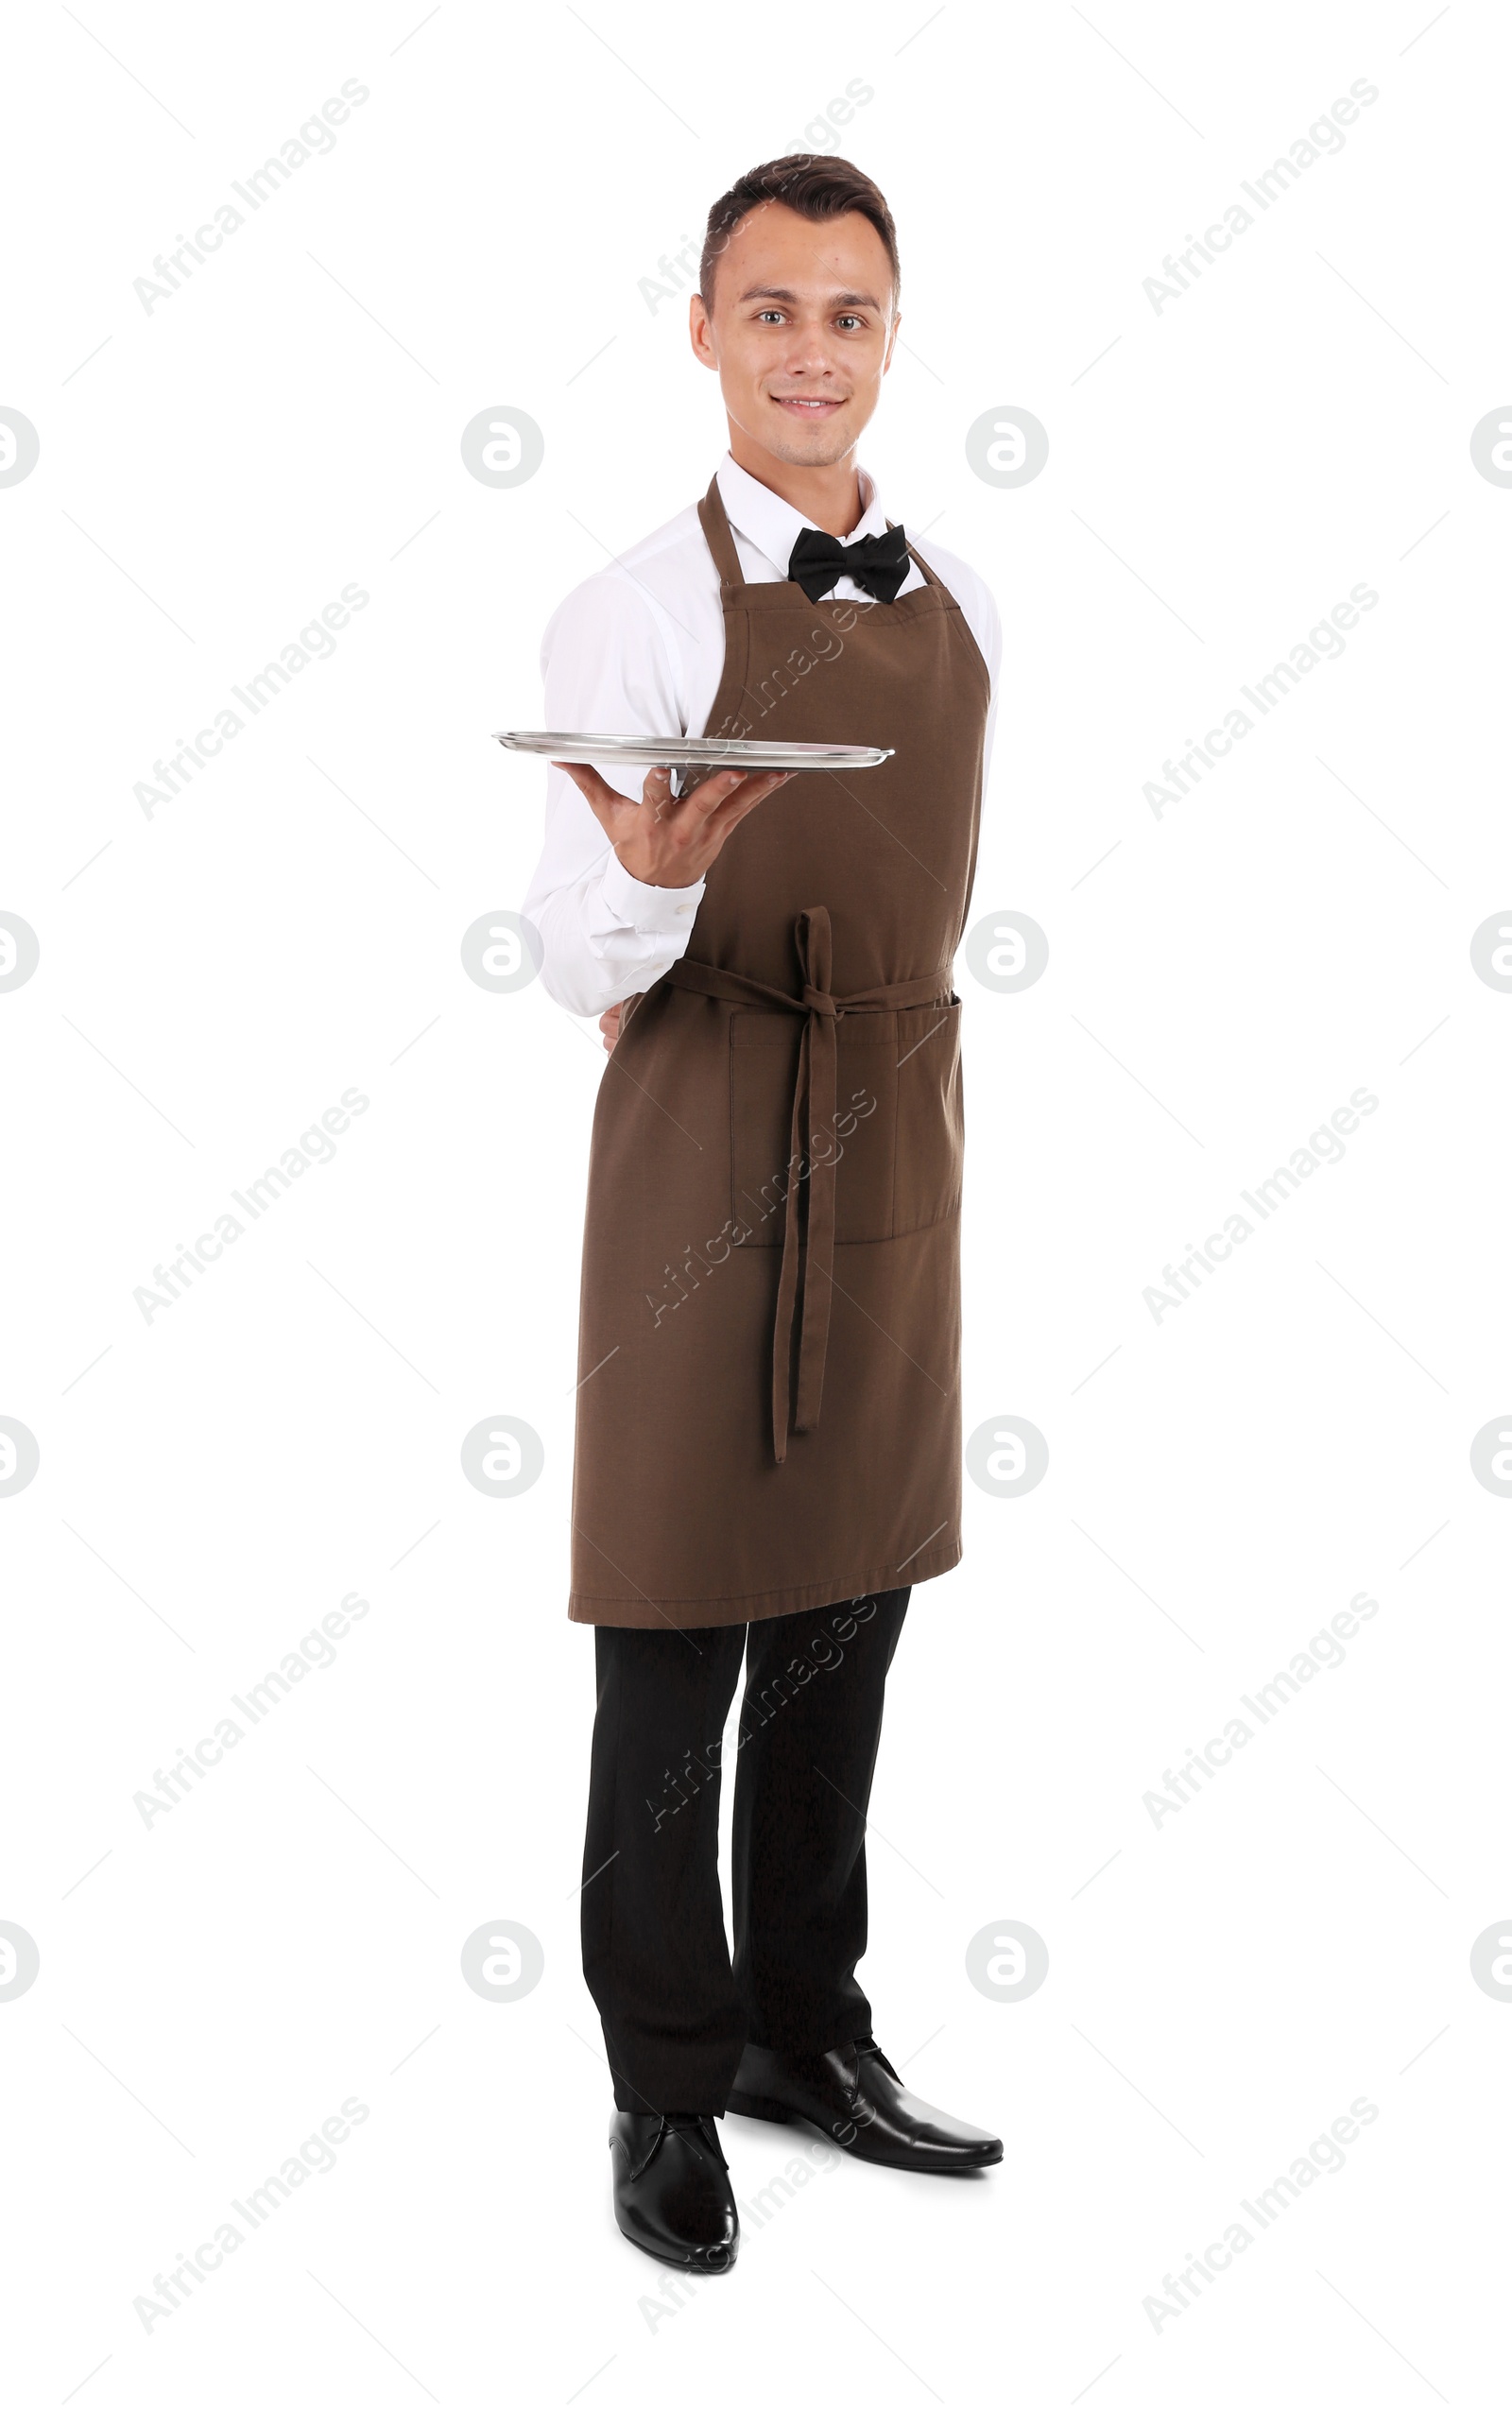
(637, 904)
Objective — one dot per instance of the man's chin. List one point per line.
(816, 447)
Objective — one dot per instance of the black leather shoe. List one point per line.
(672, 2191)
(853, 2095)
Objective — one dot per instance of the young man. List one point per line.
(768, 1409)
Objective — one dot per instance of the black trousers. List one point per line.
(675, 2012)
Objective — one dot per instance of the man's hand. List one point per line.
(666, 843)
(609, 1023)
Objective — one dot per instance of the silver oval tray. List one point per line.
(690, 752)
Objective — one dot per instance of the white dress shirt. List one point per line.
(640, 648)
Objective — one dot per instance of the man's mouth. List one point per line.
(805, 407)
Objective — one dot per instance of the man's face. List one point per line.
(802, 330)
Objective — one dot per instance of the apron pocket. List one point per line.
(930, 1140)
(763, 1048)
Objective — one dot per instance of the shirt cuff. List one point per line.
(666, 912)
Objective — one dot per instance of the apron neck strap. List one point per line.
(920, 563)
(718, 537)
(715, 526)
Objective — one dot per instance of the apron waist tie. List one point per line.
(813, 1114)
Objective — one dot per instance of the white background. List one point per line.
(1221, 1483)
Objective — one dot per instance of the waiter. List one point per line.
(768, 1402)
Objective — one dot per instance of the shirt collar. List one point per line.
(772, 525)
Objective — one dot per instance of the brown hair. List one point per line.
(815, 186)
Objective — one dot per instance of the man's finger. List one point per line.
(656, 794)
(605, 801)
(751, 792)
(587, 781)
(725, 784)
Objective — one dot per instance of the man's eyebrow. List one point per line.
(837, 301)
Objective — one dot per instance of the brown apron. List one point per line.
(768, 1402)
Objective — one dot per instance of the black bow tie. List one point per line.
(878, 564)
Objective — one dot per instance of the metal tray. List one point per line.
(690, 752)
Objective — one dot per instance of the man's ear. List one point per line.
(700, 333)
(892, 337)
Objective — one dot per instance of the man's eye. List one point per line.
(769, 314)
(848, 318)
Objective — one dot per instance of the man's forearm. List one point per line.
(607, 936)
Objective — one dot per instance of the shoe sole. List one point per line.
(772, 2113)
